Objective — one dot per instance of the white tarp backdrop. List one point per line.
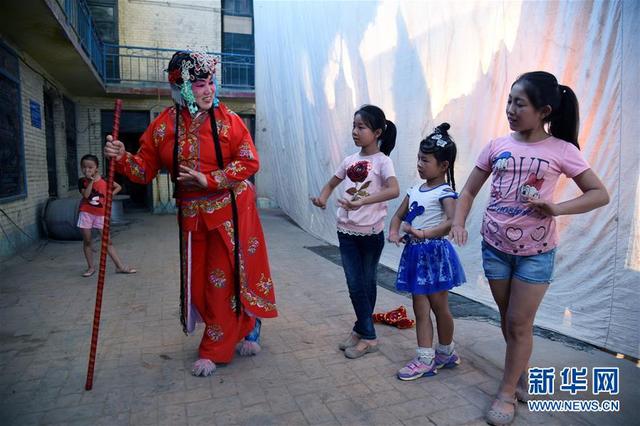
(428, 62)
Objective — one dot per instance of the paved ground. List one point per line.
(142, 370)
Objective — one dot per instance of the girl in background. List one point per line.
(91, 216)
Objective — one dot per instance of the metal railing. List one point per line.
(147, 65)
(117, 64)
(79, 18)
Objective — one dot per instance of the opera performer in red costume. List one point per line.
(225, 280)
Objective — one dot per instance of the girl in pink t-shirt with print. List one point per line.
(518, 229)
(369, 181)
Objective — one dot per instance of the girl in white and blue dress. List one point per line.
(429, 266)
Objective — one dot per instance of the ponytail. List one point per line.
(388, 138)
(542, 89)
(564, 122)
(374, 119)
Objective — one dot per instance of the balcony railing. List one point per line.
(146, 66)
(79, 18)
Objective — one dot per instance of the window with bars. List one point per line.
(12, 178)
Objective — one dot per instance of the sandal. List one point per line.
(89, 273)
(126, 270)
(499, 417)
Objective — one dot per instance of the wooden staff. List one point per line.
(103, 252)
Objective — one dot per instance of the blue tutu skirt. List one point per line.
(429, 266)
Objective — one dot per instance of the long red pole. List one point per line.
(103, 252)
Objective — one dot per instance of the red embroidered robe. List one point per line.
(208, 243)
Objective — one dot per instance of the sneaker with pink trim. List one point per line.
(447, 361)
(417, 368)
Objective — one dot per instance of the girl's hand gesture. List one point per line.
(319, 202)
(92, 177)
(458, 234)
(395, 238)
(350, 204)
(545, 208)
(192, 179)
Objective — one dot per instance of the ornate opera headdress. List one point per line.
(186, 67)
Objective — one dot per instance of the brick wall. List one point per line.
(173, 25)
(23, 214)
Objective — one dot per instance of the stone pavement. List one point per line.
(299, 378)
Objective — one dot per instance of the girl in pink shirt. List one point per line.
(518, 229)
(369, 181)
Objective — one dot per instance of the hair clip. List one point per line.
(439, 140)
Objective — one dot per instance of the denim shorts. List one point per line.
(535, 269)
